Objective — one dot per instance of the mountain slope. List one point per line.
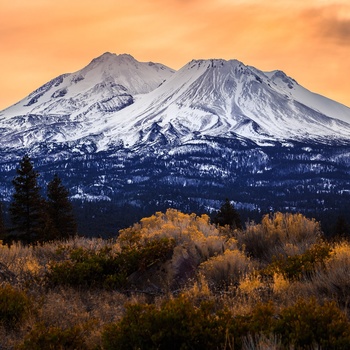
(144, 135)
(216, 97)
(67, 107)
(117, 100)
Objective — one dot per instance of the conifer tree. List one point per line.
(2, 224)
(228, 215)
(60, 209)
(342, 227)
(27, 206)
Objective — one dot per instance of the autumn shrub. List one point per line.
(196, 240)
(303, 265)
(226, 269)
(286, 234)
(307, 324)
(14, 306)
(259, 321)
(183, 228)
(332, 280)
(108, 268)
(177, 324)
(42, 337)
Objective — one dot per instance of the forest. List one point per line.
(172, 280)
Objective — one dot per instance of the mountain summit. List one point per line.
(71, 105)
(115, 98)
(225, 98)
(139, 132)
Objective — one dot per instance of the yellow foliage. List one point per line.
(33, 266)
(341, 252)
(280, 284)
(289, 227)
(184, 228)
(279, 234)
(200, 289)
(250, 283)
(226, 268)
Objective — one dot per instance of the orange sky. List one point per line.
(309, 40)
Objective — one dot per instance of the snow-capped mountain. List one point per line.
(118, 99)
(217, 97)
(144, 132)
(69, 106)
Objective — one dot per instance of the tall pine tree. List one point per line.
(228, 215)
(27, 206)
(2, 224)
(60, 209)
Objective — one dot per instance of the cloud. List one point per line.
(330, 22)
(337, 30)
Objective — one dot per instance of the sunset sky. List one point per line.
(309, 40)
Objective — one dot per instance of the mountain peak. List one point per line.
(214, 63)
(207, 96)
(112, 58)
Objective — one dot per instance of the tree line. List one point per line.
(35, 219)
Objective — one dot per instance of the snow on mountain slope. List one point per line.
(222, 98)
(67, 107)
(116, 100)
(315, 101)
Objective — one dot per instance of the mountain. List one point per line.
(217, 97)
(142, 134)
(71, 106)
(116, 97)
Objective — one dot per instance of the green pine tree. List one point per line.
(27, 206)
(342, 227)
(60, 209)
(2, 223)
(228, 215)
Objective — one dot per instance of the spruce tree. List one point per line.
(2, 224)
(228, 215)
(342, 227)
(27, 206)
(60, 209)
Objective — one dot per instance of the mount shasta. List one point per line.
(141, 133)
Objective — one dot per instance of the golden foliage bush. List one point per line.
(333, 279)
(173, 224)
(226, 269)
(279, 233)
(196, 241)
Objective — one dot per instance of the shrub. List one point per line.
(332, 280)
(105, 268)
(14, 306)
(178, 324)
(277, 233)
(301, 265)
(54, 338)
(226, 269)
(306, 324)
(172, 224)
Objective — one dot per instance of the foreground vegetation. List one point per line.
(175, 281)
